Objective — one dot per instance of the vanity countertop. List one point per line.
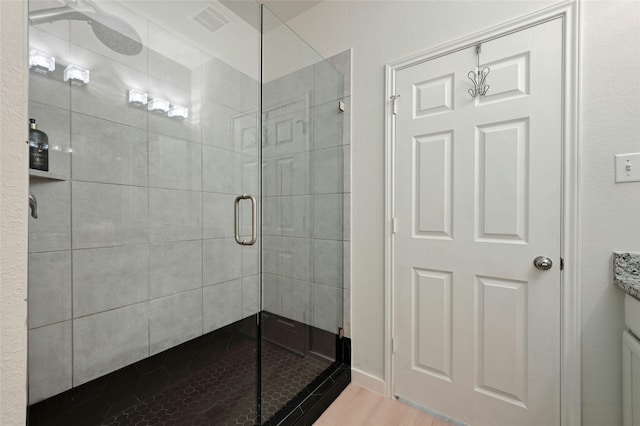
(626, 272)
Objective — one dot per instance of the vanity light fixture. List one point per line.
(138, 97)
(158, 105)
(76, 75)
(178, 112)
(40, 62)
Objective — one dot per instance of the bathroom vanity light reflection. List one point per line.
(179, 112)
(77, 75)
(40, 62)
(158, 105)
(137, 97)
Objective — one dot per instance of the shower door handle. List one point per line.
(254, 218)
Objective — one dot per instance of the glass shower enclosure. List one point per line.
(186, 265)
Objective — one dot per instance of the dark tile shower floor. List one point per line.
(224, 393)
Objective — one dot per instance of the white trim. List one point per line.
(389, 214)
(570, 380)
(439, 416)
(367, 381)
(570, 404)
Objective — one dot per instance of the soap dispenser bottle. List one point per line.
(38, 147)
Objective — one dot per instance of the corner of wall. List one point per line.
(368, 381)
(13, 212)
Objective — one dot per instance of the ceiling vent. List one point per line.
(211, 18)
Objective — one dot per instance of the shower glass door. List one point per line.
(186, 261)
(141, 303)
(303, 210)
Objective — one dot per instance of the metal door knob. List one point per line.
(543, 263)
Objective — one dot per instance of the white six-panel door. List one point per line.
(477, 182)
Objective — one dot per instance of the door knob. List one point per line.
(543, 263)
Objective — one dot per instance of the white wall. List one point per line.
(610, 212)
(13, 213)
(285, 53)
(380, 32)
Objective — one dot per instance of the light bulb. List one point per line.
(179, 112)
(40, 62)
(137, 97)
(76, 75)
(157, 104)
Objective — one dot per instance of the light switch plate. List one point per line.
(628, 167)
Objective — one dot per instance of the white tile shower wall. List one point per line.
(328, 261)
(109, 278)
(328, 170)
(328, 216)
(306, 189)
(216, 220)
(328, 84)
(174, 163)
(49, 89)
(174, 215)
(174, 320)
(222, 304)
(217, 127)
(250, 260)
(250, 295)
(188, 128)
(327, 306)
(144, 212)
(296, 216)
(49, 360)
(223, 260)
(49, 288)
(109, 340)
(296, 299)
(221, 171)
(296, 258)
(105, 96)
(108, 152)
(51, 231)
(174, 267)
(105, 215)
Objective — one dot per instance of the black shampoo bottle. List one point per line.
(38, 148)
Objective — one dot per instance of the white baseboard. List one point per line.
(367, 381)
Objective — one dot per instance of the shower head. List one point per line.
(116, 34)
(112, 31)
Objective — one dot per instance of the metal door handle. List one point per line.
(543, 263)
(254, 220)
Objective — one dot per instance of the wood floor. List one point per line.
(359, 406)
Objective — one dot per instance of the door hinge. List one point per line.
(561, 264)
(394, 225)
(393, 345)
(394, 104)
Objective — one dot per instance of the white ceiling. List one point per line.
(287, 10)
(283, 9)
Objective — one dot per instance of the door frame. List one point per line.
(570, 342)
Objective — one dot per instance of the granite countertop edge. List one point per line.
(626, 272)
